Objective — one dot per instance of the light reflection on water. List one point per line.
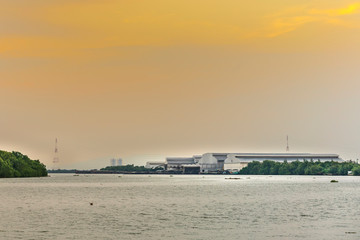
(179, 207)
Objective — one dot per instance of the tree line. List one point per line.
(128, 168)
(268, 167)
(15, 164)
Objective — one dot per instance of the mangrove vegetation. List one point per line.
(301, 168)
(15, 164)
(130, 168)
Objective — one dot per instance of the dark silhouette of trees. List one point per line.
(129, 168)
(268, 167)
(15, 164)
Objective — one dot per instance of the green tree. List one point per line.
(266, 166)
(274, 170)
(16, 164)
(356, 170)
(314, 169)
(284, 169)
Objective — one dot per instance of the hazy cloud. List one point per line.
(286, 22)
(132, 78)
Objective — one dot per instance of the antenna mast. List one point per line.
(56, 155)
(287, 143)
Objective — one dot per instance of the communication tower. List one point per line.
(56, 154)
(287, 143)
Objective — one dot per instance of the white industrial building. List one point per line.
(213, 162)
(210, 162)
(197, 158)
(152, 165)
(177, 163)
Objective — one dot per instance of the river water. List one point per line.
(179, 207)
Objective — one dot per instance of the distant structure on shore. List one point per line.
(287, 143)
(56, 159)
(154, 165)
(213, 162)
(116, 162)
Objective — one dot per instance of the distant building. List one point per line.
(116, 162)
(238, 161)
(233, 162)
(211, 162)
(119, 162)
(197, 158)
(191, 169)
(176, 164)
(113, 162)
(152, 165)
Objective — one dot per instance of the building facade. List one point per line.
(233, 162)
(211, 162)
(177, 163)
(239, 161)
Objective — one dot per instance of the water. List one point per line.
(179, 207)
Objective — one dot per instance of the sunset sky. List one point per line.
(143, 80)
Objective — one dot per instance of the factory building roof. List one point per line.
(277, 155)
(249, 157)
(287, 155)
(176, 160)
(155, 163)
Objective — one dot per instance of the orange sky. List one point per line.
(147, 79)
